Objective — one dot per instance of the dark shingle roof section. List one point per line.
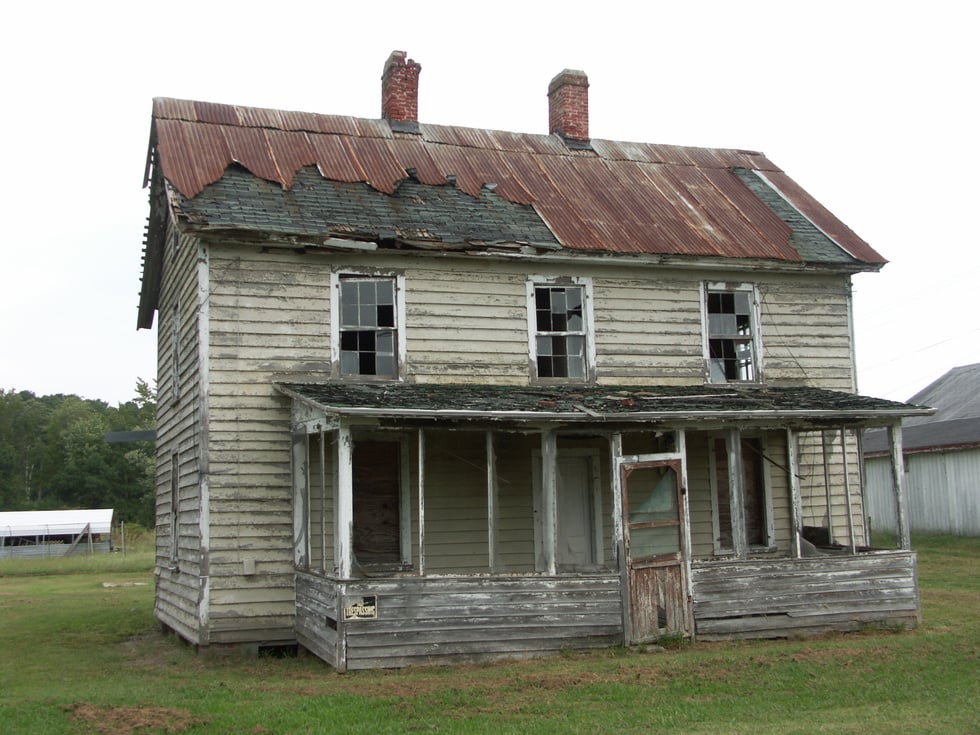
(315, 206)
(630, 198)
(809, 240)
(597, 403)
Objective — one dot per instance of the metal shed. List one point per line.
(42, 533)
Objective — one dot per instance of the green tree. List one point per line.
(54, 454)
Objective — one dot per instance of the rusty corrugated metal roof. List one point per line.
(617, 197)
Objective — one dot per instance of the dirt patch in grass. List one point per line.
(133, 720)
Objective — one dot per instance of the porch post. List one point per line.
(616, 486)
(405, 503)
(323, 500)
(618, 539)
(827, 488)
(492, 532)
(344, 511)
(421, 483)
(549, 503)
(795, 498)
(736, 498)
(898, 484)
(301, 500)
(847, 491)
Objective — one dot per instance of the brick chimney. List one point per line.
(568, 105)
(400, 89)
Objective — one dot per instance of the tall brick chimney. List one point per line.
(568, 105)
(400, 89)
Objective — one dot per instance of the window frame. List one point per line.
(754, 339)
(768, 528)
(337, 277)
(587, 331)
(174, 508)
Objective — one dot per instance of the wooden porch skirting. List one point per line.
(789, 597)
(432, 620)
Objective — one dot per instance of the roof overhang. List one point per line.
(323, 404)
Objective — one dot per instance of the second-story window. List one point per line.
(560, 330)
(368, 326)
(731, 334)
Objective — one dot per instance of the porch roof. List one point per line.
(797, 406)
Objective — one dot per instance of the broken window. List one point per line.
(368, 326)
(731, 335)
(755, 498)
(560, 343)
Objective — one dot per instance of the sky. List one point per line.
(870, 106)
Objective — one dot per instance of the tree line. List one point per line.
(54, 454)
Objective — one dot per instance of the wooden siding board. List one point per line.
(270, 315)
(794, 596)
(443, 620)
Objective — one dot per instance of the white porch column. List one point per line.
(898, 484)
(736, 489)
(795, 497)
(549, 500)
(847, 491)
(323, 501)
(828, 492)
(421, 483)
(492, 503)
(344, 500)
(301, 499)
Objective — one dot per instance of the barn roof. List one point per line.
(955, 423)
(54, 522)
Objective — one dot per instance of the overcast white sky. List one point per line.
(870, 106)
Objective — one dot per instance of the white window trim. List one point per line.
(770, 529)
(753, 291)
(400, 349)
(590, 348)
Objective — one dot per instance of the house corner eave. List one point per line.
(153, 248)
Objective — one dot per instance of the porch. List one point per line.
(425, 534)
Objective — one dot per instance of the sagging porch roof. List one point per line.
(793, 406)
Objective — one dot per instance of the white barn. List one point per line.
(40, 533)
(941, 455)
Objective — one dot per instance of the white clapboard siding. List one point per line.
(267, 318)
(179, 432)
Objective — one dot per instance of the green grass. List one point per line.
(79, 657)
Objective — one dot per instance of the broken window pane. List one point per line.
(368, 335)
(731, 351)
(560, 324)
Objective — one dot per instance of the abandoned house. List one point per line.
(438, 394)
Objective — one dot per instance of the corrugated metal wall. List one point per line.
(942, 490)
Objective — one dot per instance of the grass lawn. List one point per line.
(80, 657)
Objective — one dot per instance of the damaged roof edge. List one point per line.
(883, 415)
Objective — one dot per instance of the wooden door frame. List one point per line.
(624, 466)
